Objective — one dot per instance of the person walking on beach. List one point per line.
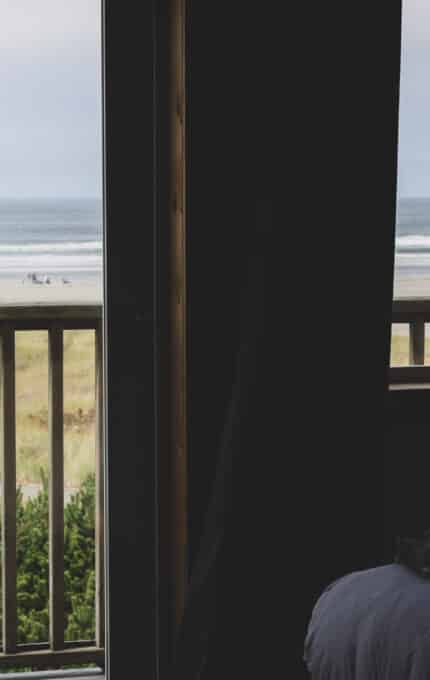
(375, 624)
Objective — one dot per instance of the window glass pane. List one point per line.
(412, 271)
(51, 297)
(412, 252)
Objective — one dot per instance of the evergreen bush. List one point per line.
(33, 567)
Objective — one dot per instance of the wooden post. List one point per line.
(416, 343)
(8, 496)
(56, 488)
(178, 307)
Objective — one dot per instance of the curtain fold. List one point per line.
(297, 494)
(199, 622)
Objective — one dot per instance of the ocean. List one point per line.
(61, 239)
(412, 253)
(57, 240)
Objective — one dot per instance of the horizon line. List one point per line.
(51, 197)
(415, 196)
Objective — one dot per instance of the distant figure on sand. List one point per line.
(33, 278)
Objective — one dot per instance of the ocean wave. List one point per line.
(51, 263)
(411, 259)
(77, 246)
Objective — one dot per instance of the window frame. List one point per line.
(140, 336)
(130, 311)
(156, 311)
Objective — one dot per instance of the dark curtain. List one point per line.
(292, 132)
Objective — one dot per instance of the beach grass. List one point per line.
(32, 436)
(400, 350)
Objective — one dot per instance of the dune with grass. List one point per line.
(32, 436)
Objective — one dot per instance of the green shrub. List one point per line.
(33, 565)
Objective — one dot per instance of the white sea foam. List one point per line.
(80, 246)
(51, 262)
(418, 259)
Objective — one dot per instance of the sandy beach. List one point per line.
(412, 286)
(17, 293)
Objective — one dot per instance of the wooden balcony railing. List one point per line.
(416, 313)
(57, 652)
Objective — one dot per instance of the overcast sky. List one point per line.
(414, 113)
(50, 98)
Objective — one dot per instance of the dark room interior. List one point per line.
(301, 463)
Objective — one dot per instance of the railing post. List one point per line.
(416, 342)
(8, 496)
(56, 488)
(99, 544)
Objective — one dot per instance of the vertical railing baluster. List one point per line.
(416, 342)
(99, 506)
(56, 488)
(8, 495)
